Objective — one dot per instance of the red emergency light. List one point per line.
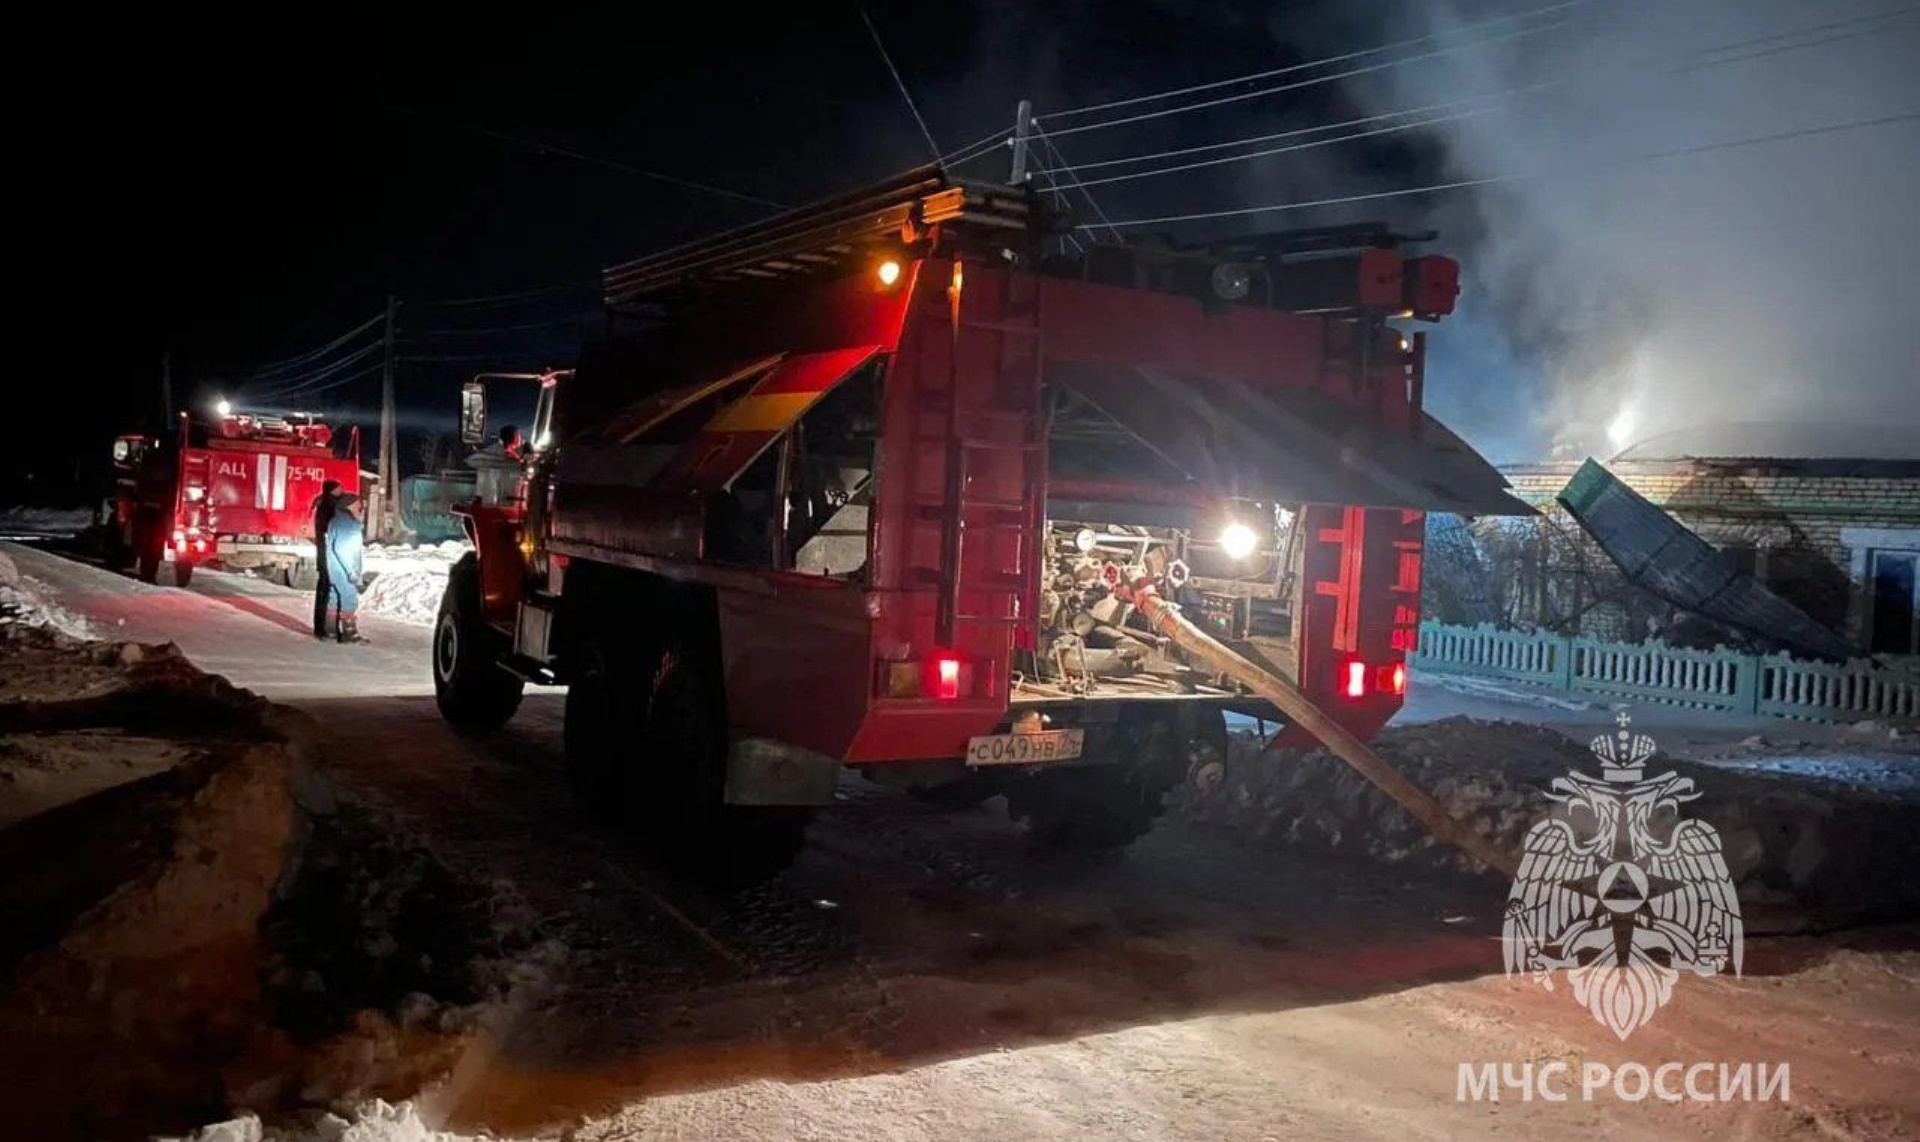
(946, 672)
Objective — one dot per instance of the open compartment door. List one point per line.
(1290, 446)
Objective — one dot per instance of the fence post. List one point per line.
(1746, 683)
(1563, 664)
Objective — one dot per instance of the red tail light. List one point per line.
(1356, 682)
(946, 674)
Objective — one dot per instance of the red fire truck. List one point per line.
(878, 484)
(237, 490)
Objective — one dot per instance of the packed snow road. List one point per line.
(928, 974)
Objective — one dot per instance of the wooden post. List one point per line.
(389, 468)
(1332, 734)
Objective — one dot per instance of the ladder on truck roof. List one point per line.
(823, 238)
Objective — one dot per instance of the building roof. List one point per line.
(1781, 440)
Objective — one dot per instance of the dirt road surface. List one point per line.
(927, 974)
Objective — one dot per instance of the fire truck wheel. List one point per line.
(702, 837)
(1100, 807)
(182, 572)
(149, 543)
(474, 694)
(589, 734)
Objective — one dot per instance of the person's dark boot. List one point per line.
(350, 630)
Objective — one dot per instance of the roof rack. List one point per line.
(820, 238)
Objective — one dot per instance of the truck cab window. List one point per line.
(830, 476)
(802, 504)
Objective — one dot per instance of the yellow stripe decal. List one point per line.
(770, 412)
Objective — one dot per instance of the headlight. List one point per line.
(1238, 540)
(1085, 540)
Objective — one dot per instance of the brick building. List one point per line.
(1838, 537)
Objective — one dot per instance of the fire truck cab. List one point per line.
(237, 489)
(871, 485)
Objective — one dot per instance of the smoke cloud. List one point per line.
(1630, 278)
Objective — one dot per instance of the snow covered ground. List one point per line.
(25, 601)
(408, 579)
(375, 1121)
(45, 521)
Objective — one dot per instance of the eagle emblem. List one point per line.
(1619, 891)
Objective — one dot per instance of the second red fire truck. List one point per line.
(237, 489)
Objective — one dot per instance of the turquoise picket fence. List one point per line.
(1654, 671)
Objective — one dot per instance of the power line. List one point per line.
(1871, 18)
(1074, 178)
(1309, 145)
(1296, 132)
(543, 147)
(1298, 67)
(1468, 103)
(301, 394)
(976, 148)
(579, 284)
(933, 148)
(300, 359)
(505, 354)
(570, 319)
(297, 383)
(1831, 128)
(1312, 82)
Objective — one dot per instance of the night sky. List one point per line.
(239, 185)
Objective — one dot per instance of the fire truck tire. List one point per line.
(149, 542)
(589, 734)
(1097, 808)
(702, 837)
(182, 572)
(474, 694)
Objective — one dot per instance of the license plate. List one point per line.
(1019, 749)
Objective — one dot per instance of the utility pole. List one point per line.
(1022, 131)
(166, 388)
(389, 470)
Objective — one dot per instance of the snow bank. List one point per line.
(27, 602)
(409, 579)
(375, 1121)
(1810, 844)
(45, 521)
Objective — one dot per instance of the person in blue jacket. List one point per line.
(346, 543)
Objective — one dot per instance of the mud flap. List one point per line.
(761, 771)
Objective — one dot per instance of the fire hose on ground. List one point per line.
(1205, 650)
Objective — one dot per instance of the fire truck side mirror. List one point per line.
(473, 413)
